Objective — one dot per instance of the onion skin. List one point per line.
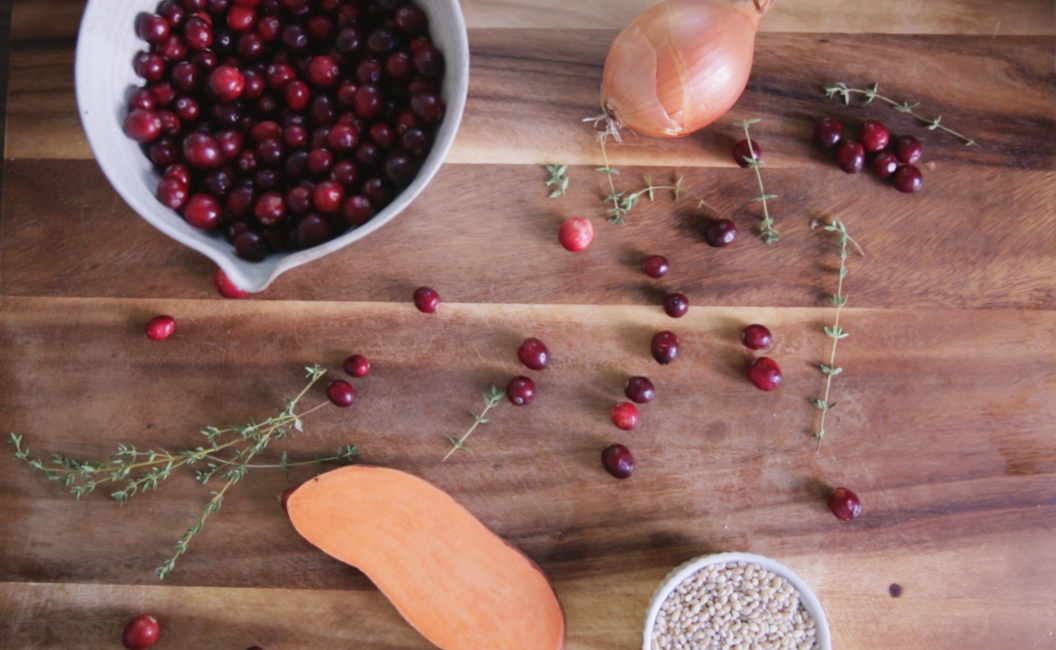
(681, 65)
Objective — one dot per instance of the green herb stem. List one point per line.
(873, 92)
(491, 400)
(766, 232)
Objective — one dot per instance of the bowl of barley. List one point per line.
(735, 601)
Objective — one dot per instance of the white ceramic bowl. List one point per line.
(106, 44)
(676, 577)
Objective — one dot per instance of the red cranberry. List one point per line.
(143, 126)
(270, 152)
(256, 83)
(202, 211)
(625, 416)
(381, 42)
(367, 155)
(226, 288)
(164, 92)
(320, 161)
(874, 136)
(267, 105)
(765, 374)
(250, 246)
(322, 111)
(576, 234)
(143, 99)
(618, 461)
(172, 193)
(203, 151)
(186, 109)
(321, 29)
(369, 71)
(520, 391)
(357, 365)
(665, 347)
(227, 83)
(426, 300)
(656, 266)
(404, 121)
(173, 12)
(179, 172)
(374, 189)
(741, 156)
(173, 49)
(421, 85)
(163, 152)
(247, 162)
(534, 354)
(299, 200)
(383, 135)
(415, 142)
(410, 20)
(267, 130)
(150, 66)
(251, 46)
(345, 174)
(908, 179)
(400, 169)
(343, 138)
(317, 140)
(908, 149)
(270, 28)
(884, 164)
(279, 75)
(194, 5)
(828, 133)
(323, 71)
(270, 208)
(295, 136)
(141, 632)
(313, 230)
(845, 504)
(197, 33)
(170, 123)
(850, 157)
(357, 210)
(341, 393)
(231, 143)
(639, 390)
(160, 328)
(294, 38)
(185, 76)
(297, 95)
(347, 15)
(241, 19)
(676, 305)
(240, 201)
(369, 102)
(346, 95)
(349, 40)
(720, 233)
(297, 165)
(152, 28)
(328, 197)
(756, 337)
(399, 67)
(427, 107)
(206, 60)
(429, 61)
(266, 179)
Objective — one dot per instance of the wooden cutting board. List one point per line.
(946, 416)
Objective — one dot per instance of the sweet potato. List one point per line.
(457, 583)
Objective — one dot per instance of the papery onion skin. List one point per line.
(681, 65)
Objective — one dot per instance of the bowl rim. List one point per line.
(683, 571)
(257, 276)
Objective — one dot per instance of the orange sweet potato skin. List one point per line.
(460, 585)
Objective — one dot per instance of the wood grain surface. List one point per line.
(946, 408)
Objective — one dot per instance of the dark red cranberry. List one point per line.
(266, 179)
(173, 49)
(267, 105)
(381, 42)
(349, 40)
(313, 230)
(164, 92)
(179, 171)
(756, 337)
(346, 95)
(845, 504)
(202, 211)
(294, 38)
(908, 179)
(383, 135)
(197, 33)
(429, 61)
(741, 155)
(231, 143)
(348, 15)
(270, 208)
(299, 200)
(908, 149)
(874, 136)
(400, 169)
(256, 83)
(321, 29)
(218, 6)
(227, 83)
(426, 300)
(270, 152)
(226, 288)
(665, 347)
(143, 126)
(186, 109)
(720, 233)
(203, 151)
(206, 60)
(223, 41)
(520, 391)
(143, 99)
(295, 136)
(236, 228)
(241, 19)
(247, 162)
(297, 95)
(850, 157)
(828, 133)
(270, 28)
(340, 393)
(142, 631)
(676, 305)
(534, 354)
(160, 328)
(250, 246)
(374, 189)
(765, 374)
(342, 138)
(170, 123)
(228, 115)
(421, 85)
(427, 107)
(618, 461)
(163, 152)
(357, 365)
(345, 173)
(884, 164)
(172, 193)
(318, 137)
(625, 416)
(152, 28)
(240, 201)
(328, 197)
(357, 210)
(656, 266)
(398, 66)
(415, 142)
(279, 75)
(320, 161)
(322, 111)
(150, 66)
(173, 12)
(251, 46)
(323, 71)
(410, 20)
(639, 390)
(369, 71)
(369, 101)
(194, 5)
(367, 156)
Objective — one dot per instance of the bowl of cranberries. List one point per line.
(268, 133)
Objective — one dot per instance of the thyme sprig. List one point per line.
(144, 470)
(491, 400)
(766, 228)
(558, 177)
(836, 333)
(873, 92)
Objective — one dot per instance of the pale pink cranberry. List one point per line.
(576, 234)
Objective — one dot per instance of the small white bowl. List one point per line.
(679, 575)
(106, 44)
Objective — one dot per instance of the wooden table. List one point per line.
(946, 417)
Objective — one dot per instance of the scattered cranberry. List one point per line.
(741, 154)
(908, 179)
(845, 504)
(756, 337)
(160, 328)
(143, 126)
(534, 354)
(576, 234)
(141, 632)
(884, 164)
(618, 461)
(226, 288)
(426, 300)
(874, 136)
(625, 416)
(676, 305)
(639, 390)
(720, 233)
(908, 149)
(656, 266)
(765, 374)
(828, 133)
(357, 365)
(665, 347)
(520, 391)
(341, 393)
(850, 157)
